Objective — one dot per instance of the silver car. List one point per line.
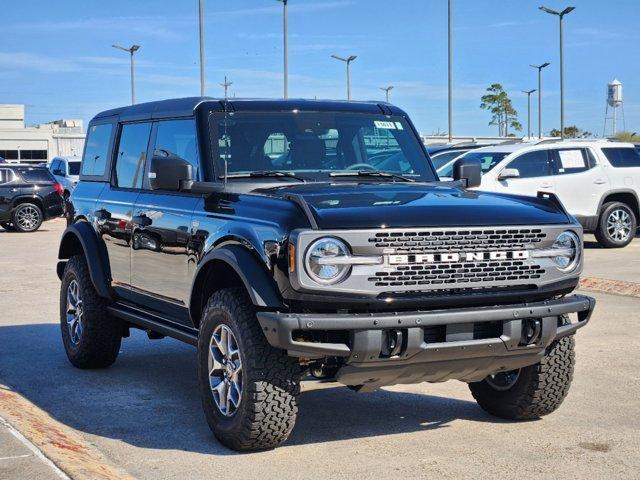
(67, 172)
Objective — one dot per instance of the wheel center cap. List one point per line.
(229, 368)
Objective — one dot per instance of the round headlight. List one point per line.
(323, 261)
(568, 246)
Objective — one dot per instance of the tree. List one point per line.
(498, 103)
(571, 132)
(632, 137)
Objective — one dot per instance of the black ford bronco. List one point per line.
(290, 238)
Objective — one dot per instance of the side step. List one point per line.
(147, 322)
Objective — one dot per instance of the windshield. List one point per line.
(74, 168)
(318, 145)
(488, 160)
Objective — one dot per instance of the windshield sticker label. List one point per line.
(399, 126)
(384, 125)
(571, 158)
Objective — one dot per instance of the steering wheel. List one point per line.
(361, 166)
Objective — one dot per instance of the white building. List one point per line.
(39, 143)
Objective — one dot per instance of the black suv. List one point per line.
(28, 196)
(284, 238)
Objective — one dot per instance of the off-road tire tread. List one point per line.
(271, 383)
(102, 333)
(540, 389)
(602, 237)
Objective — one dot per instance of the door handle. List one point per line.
(599, 181)
(13, 190)
(546, 185)
(141, 220)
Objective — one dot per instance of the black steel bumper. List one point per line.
(459, 356)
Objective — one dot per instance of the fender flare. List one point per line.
(95, 253)
(259, 284)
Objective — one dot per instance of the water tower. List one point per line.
(614, 101)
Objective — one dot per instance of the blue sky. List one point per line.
(56, 57)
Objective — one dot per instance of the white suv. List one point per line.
(66, 170)
(597, 181)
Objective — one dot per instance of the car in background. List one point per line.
(597, 181)
(29, 195)
(66, 171)
(444, 153)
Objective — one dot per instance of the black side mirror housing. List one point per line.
(170, 172)
(468, 171)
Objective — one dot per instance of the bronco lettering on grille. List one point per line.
(457, 257)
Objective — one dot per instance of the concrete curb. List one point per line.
(614, 287)
(58, 443)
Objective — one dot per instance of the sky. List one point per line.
(57, 59)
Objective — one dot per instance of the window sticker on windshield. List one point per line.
(399, 126)
(384, 125)
(571, 158)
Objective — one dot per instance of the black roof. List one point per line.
(185, 107)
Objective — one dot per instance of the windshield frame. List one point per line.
(315, 176)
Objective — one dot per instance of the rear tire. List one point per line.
(536, 391)
(262, 411)
(617, 225)
(91, 336)
(27, 217)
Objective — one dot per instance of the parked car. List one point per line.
(28, 196)
(597, 181)
(348, 261)
(444, 153)
(66, 171)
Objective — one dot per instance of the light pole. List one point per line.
(528, 92)
(560, 16)
(348, 61)
(450, 67)
(201, 27)
(540, 67)
(285, 21)
(386, 90)
(131, 50)
(226, 86)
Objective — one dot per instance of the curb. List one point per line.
(60, 444)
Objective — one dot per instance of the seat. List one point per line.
(307, 152)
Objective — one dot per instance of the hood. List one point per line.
(399, 205)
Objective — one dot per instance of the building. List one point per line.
(40, 143)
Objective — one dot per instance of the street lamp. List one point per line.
(450, 68)
(560, 16)
(286, 48)
(226, 86)
(201, 28)
(386, 90)
(131, 50)
(528, 92)
(540, 67)
(348, 61)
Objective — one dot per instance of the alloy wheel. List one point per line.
(225, 370)
(74, 312)
(619, 225)
(503, 381)
(28, 218)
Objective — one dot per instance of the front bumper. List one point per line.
(460, 353)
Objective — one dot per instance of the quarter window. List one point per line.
(94, 161)
(532, 164)
(622, 157)
(132, 153)
(178, 138)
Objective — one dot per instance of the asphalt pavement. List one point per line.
(144, 414)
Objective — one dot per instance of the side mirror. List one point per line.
(469, 171)
(509, 173)
(170, 172)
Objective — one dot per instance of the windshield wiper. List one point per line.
(266, 174)
(372, 173)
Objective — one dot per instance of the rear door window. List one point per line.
(621, 157)
(571, 160)
(532, 164)
(36, 175)
(131, 155)
(74, 168)
(94, 161)
(6, 176)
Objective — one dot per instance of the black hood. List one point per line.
(398, 205)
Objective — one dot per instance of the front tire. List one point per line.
(530, 392)
(617, 225)
(91, 337)
(27, 217)
(256, 408)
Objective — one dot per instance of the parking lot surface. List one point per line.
(144, 415)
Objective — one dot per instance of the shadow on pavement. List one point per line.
(149, 398)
